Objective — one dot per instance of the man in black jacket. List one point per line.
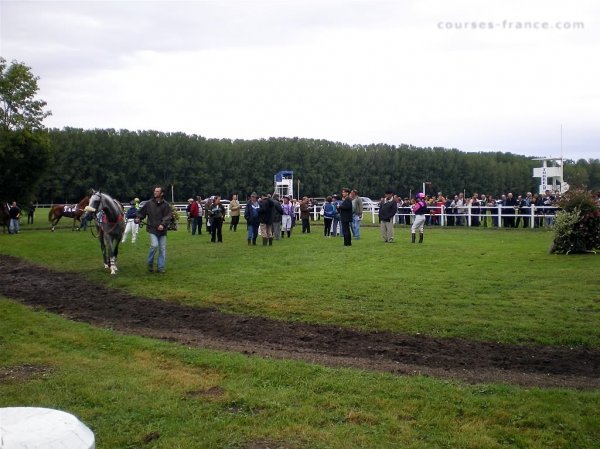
(159, 215)
(345, 210)
(387, 211)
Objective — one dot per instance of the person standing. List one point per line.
(216, 215)
(30, 212)
(234, 213)
(159, 216)
(287, 217)
(14, 214)
(207, 207)
(277, 216)
(419, 209)
(329, 211)
(265, 214)
(305, 215)
(188, 213)
(195, 215)
(131, 227)
(345, 210)
(336, 218)
(387, 211)
(357, 211)
(252, 218)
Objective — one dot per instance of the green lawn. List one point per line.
(498, 285)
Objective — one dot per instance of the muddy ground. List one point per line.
(401, 354)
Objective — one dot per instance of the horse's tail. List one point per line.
(51, 214)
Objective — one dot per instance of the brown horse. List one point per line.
(74, 211)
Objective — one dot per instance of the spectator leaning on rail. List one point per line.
(159, 216)
(419, 209)
(387, 211)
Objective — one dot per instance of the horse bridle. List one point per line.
(95, 212)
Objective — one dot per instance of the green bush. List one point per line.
(577, 225)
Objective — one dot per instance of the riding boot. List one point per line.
(264, 241)
(421, 237)
(249, 242)
(271, 241)
(413, 236)
(254, 241)
(289, 234)
(282, 234)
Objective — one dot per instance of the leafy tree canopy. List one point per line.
(18, 107)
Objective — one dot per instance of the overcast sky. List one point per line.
(450, 73)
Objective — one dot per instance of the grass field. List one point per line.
(481, 284)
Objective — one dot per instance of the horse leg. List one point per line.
(103, 248)
(113, 251)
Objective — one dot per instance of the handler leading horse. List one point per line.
(110, 224)
(74, 211)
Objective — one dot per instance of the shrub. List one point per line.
(577, 225)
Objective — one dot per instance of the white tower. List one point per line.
(284, 183)
(551, 178)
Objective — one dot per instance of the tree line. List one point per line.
(130, 163)
(60, 166)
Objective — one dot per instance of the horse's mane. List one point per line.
(110, 206)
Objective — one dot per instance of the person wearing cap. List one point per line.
(345, 210)
(252, 218)
(287, 216)
(388, 207)
(131, 227)
(419, 209)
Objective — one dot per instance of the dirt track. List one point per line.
(328, 345)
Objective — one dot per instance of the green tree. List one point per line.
(18, 107)
(24, 156)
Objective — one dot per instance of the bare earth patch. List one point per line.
(401, 354)
(23, 372)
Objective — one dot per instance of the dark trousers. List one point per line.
(346, 233)
(234, 222)
(216, 230)
(306, 226)
(197, 224)
(327, 226)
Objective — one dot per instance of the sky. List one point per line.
(482, 75)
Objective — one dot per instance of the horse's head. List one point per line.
(95, 201)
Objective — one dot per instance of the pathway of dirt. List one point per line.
(401, 354)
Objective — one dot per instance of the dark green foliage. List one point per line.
(130, 163)
(577, 226)
(24, 157)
